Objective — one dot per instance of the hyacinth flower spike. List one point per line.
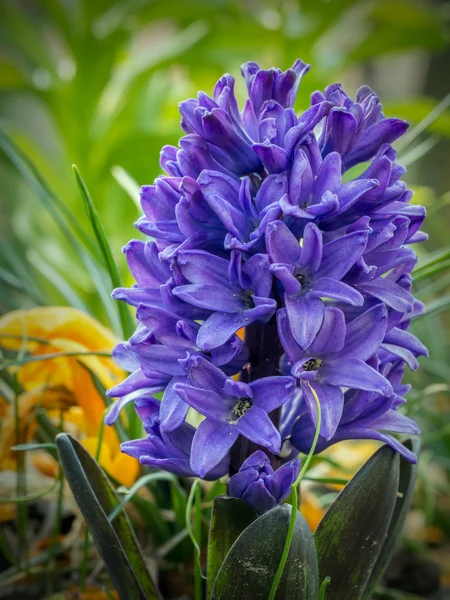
(231, 408)
(312, 272)
(254, 218)
(336, 359)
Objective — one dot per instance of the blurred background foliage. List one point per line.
(97, 83)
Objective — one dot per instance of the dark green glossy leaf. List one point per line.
(408, 476)
(115, 540)
(229, 518)
(350, 536)
(250, 565)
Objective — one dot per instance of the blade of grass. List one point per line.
(35, 180)
(144, 480)
(105, 249)
(21, 488)
(27, 447)
(19, 285)
(122, 434)
(23, 500)
(432, 259)
(437, 306)
(424, 124)
(57, 281)
(43, 357)
(67, 224)
(18, 268)
(433, 269)
(128, 184)
(418, 151)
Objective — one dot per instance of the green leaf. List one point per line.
(57, 281)
(66, 221)
(229, 518)
(27, 447)
(250, 565)
(115, 541)
(350, 536)
(102, 240)
(408, 476)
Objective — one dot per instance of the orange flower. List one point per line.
(60, 382)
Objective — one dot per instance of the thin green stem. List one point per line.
(43, 357)
(21, 489)
(294, 500)
(195, 493)
(323, 587)
(198, 537)
(144, 480)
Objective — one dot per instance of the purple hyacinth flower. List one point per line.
(237, 294)
(311, 272)
(366, 416)
(259, 485)
(336, 359)
(258, 215)
(167, 451)
(231, 408)
(356, 129)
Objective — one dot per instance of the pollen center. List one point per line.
(239, 409)
(248, 300)
(312, 364)
(301, 279)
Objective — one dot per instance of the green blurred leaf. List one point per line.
(407, 482)
(251, 564)
(437, 306)
(229, 518)
(66, 221)
(350, 536)
(58, 282)
(115, 541)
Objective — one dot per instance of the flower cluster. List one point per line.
(278, 265)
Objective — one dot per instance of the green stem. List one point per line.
(195, 534)
(294, 499)
(43, 357)
(323, 587)
(21, 490)
(198, 537)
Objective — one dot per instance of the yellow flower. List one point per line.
(65, 381)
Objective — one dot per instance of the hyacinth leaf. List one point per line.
(407, 481)
(115, 541)
(349, 538)
(250, 565)
(229, 518)
(94, 218)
